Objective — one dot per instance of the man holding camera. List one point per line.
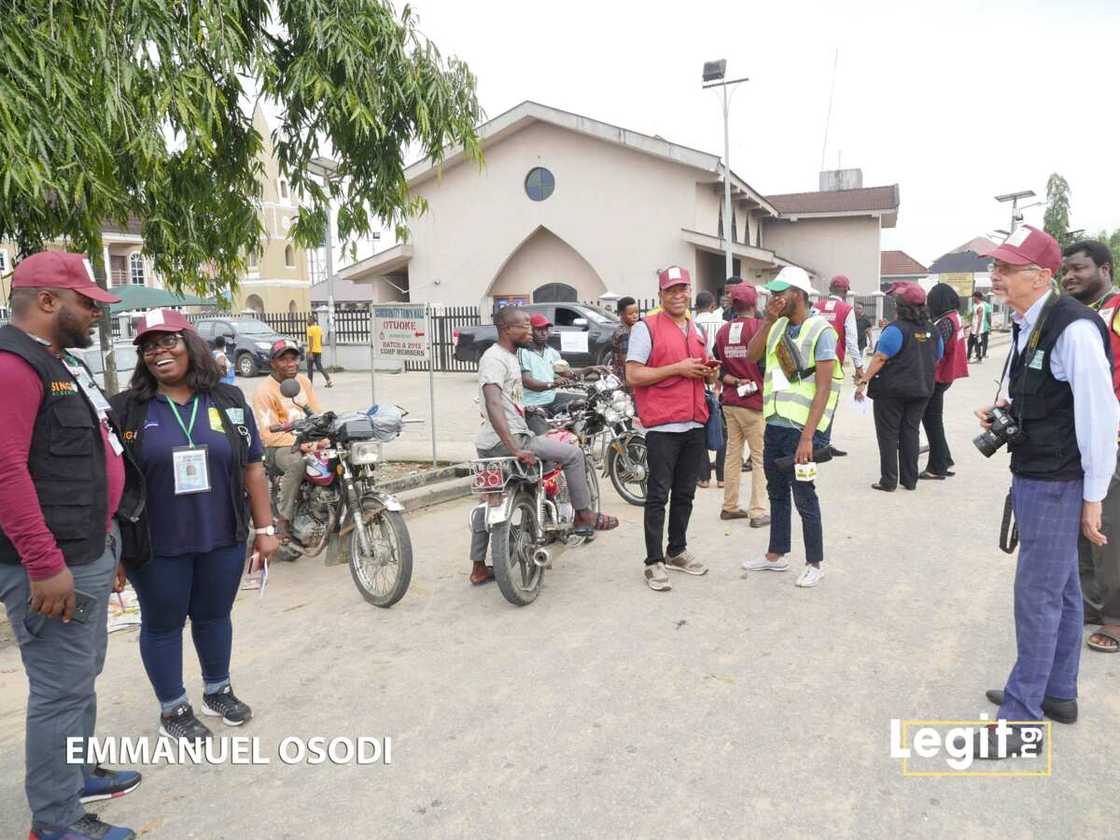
(1059, 386)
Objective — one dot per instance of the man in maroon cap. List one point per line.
(742, 406)
(841, 315)
(65, 474)
(666, 366)
(900, 379)
(1059, 387)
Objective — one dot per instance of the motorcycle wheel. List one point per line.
(619, 468)
(382, 578)
(511, 549)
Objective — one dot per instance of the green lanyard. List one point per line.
(194, 413)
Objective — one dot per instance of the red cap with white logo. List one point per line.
(1029, 246)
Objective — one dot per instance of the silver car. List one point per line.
(125, 356)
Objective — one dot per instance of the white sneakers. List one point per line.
(761, 564)
(811, 576)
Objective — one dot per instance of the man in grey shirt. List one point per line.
(505, 432)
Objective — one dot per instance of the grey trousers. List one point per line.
(1099, 566)
(62, 662)
(569, 457)
(293, 467)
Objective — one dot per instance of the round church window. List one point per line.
(539, 183)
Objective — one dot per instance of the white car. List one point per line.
(126, 358)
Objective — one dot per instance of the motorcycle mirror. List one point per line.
(289, 387)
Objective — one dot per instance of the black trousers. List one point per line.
(984, 344)
(933, 421)
(315, 360)
(674, 461)
(896, 427)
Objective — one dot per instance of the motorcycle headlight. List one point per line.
(364, 452)
(612, 415)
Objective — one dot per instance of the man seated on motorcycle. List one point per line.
(505, 432)
(271, 407)
(539, 376)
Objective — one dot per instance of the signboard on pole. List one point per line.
(962, 282)
(400, 331)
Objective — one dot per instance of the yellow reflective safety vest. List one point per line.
(793, 403)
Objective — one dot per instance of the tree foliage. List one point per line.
(111, 110)
(1056, 219)
(1112, 240)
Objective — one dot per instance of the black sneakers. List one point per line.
(224, 703)
(88, 827)
(180, 722)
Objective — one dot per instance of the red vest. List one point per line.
(676, 399)
(733, 358)
(836, 313)
(1108, 310)
(954, 361)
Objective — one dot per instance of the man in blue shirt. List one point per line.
(539, 377)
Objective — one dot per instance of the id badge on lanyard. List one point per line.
(189, 464)
(97, 400)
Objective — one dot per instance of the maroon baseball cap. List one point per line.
(284, 345)
(907, 292)
(674, 275)
(537, 321)
(840, 282)
(1029, 245)
(60, 270)
(161, 320)
(744, 293)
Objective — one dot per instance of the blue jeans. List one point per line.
(1048, 605)
(62, 662)
(201, 586)
(781, 441)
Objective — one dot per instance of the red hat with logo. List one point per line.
(840, 282)
(674, 275)
(284, 345)
(161, 320)
(910, 293)
(537, 321)
(60, 270)
(1029, 246)
(745, 294)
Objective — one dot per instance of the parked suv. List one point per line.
(581, 332)
(248, 341)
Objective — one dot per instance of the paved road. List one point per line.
(732, 706)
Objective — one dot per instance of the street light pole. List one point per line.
(327, 169)
(714, 72)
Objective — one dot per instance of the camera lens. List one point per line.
(988, 444)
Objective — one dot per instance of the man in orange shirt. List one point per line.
(272, 407)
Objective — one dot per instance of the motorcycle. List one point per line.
(525, 509)
(603, 421)
(339, 508)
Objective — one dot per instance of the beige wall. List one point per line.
(545, 258)
(620, 210)
(846, 245)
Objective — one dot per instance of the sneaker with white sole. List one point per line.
(685, 562)
(224, 704)
(811, 576)
(657, 578)
(761, 564)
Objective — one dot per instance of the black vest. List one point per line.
(1043, 404)
(909, 373)
(132, 412)
(67, 458)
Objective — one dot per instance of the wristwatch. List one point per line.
(270, 531)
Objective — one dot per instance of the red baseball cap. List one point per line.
(1029, 245)
(840, 282)
(284, 345)
(161, 320)
(60, 270)
(908, 292)
(537, 321)
(744, 293)
(674, 275)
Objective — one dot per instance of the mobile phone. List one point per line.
(712, 363)
(83, 606)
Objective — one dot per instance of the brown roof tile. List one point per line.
(892, 263)
(838, 201)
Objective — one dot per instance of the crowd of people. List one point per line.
(165, 483)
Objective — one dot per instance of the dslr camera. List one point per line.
(1005, 429)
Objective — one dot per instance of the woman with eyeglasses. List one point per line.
(196, 441)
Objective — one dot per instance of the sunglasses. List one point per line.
(165, 341)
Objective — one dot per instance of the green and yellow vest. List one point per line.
(793, 403)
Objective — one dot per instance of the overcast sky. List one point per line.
(955, 101)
